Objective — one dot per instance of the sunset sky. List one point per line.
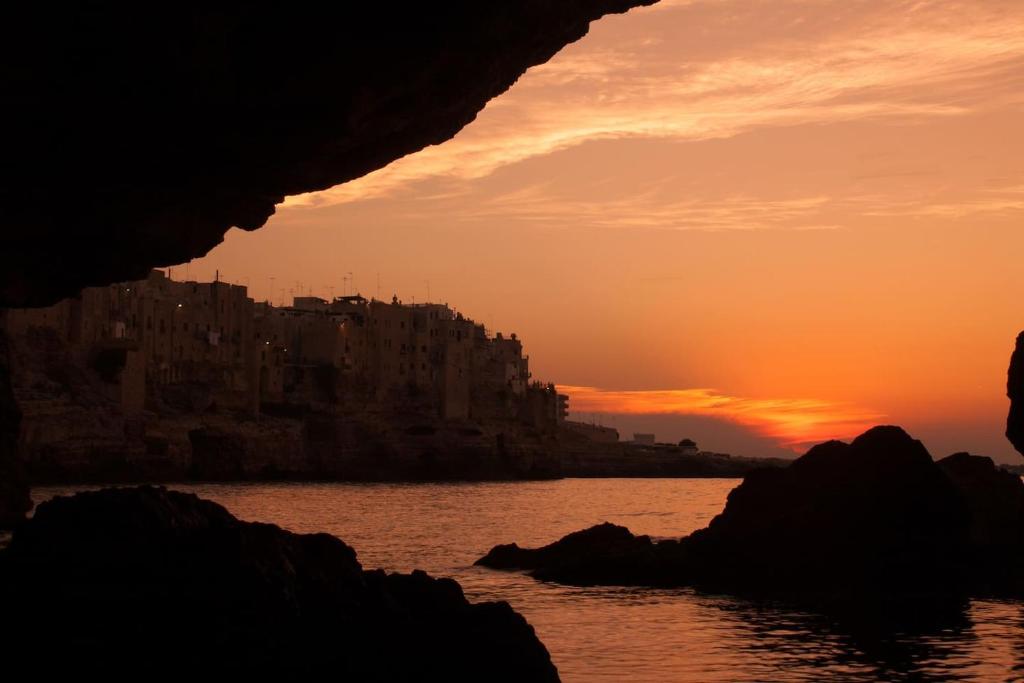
(757, 224)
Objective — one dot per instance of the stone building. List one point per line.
(169, 339)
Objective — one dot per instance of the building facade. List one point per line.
(159, 334)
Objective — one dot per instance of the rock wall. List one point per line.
(1015, 392)
(14, 492)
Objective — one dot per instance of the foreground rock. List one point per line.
(122, 582)
(874, 518)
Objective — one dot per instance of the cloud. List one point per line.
(644, 210)
(691, 75)
(792, 423)
(998, 200)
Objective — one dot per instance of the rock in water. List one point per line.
(995, 501)
(876, 518)
(144, 581)
(602, 555)
(1015, 392)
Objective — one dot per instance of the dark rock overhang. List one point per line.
(137, 134)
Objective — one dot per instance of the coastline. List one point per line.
(339, 448)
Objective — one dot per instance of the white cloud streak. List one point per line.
(916, 61)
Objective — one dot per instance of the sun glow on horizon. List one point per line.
(795, 424)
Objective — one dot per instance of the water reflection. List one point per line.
(616, 634)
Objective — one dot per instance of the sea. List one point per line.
(624, 634)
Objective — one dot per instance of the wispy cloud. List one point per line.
(896, 60)
(792, 423)
(645, 210)
(997, 200)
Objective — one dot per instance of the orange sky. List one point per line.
(759, 224)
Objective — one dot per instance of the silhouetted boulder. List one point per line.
(131, 582)
(1015, 392)
(995, 502)
(605, 554)
(876, 518)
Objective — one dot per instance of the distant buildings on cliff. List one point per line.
(157, 334)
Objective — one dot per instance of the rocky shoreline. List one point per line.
(873, 520)
(72, 432)
(64, 443)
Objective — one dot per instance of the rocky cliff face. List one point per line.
(135, 137)
(14, 496)
(1015, 392)
(116, 582)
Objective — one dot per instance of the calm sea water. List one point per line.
(616, 634)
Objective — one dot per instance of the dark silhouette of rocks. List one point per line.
(995, 499)
(870, 516)
(606, 554)
(136, 138)
(144, 581)
(1015, 392)
(14, 493)
(876, 518)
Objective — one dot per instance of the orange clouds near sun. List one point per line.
(793, 423)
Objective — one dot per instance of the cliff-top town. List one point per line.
(169, 379)
(159, 332)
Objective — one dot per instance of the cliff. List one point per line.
(75, 428)
(1015, 392)
(14, 495)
